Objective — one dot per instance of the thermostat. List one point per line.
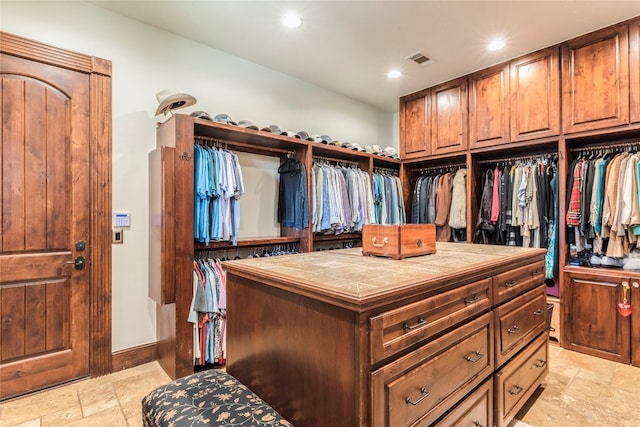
(121, 219)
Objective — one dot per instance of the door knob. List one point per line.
(78, 263)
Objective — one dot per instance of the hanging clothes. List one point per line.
(342, 199)
(293, 203)
(603, 212)
(208, 312)
(218, 186)
(439, 197)
(388, 199)
(519, 207)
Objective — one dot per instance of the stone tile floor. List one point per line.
(580, 390)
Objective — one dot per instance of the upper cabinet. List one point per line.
(415, 125)
(449, 117)
(489, 107)
(595, 80)
(634, 70)
(535, 95)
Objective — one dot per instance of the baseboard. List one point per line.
(134, 356)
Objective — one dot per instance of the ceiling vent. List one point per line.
(419, 58)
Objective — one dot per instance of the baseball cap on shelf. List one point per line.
(368, 149)
(356, 146)
(325, 139)
(376, 149)
(290, 133)
(273, 129)
(315, 138)
(201, 115)
(304, 135)
(389, 151)
(247, 125)
(223, 118)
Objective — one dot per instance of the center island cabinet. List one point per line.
(335, 338)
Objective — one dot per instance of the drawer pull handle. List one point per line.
(540, 363)
(514, 330)
(477, 424)
(510, 283)
(473, 359)
(425, 394)
(472, 300)
(538, 312)
(379, 245)
(406, 326)
(515, 390)
(535, 272)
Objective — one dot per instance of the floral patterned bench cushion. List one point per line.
(207, 398)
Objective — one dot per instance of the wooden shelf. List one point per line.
(335, 237)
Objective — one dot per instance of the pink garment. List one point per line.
(495, 199)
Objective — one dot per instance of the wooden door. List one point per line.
(595, 80)
(591, 323)
(535, 95)
(634, 70)
(415, 125)
(489, 107)
(449, 117)
(44, 296)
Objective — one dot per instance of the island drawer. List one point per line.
(509, 284)
(518, 322)
(418, 388)
(518, 379)
(475, 410)
(398, 329)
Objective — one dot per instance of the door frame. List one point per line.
(100, 184)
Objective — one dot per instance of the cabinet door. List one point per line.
(449, 117)
(489, 107)
(415, 125)
(634, 70)
(595, 80)
(535, 95)
(593, 324)
(635, 322)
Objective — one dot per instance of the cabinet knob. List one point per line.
(635, 285)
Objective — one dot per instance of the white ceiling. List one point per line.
(349, 46)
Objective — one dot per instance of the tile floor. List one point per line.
(580, 390)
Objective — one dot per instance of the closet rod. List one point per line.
(332, 160)
(242, 145)
(441, 167)
(387, 171)
(627, 144)
(552, 155)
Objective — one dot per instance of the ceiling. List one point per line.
(349, 46)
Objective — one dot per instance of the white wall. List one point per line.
(146, 60)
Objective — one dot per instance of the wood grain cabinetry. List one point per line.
(535, 95)
(489, 107)
(171, 207)
(593, 324)
(449, 117)
(342, 339)
(415, 125)
(517, 380)
(476, 410)
(595, 80)
(634, 71)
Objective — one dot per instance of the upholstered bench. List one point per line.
(207, 398)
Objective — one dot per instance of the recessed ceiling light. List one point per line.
(291, 20)
(496, 45)
(394, 74)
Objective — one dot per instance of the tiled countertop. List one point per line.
(347, 276)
